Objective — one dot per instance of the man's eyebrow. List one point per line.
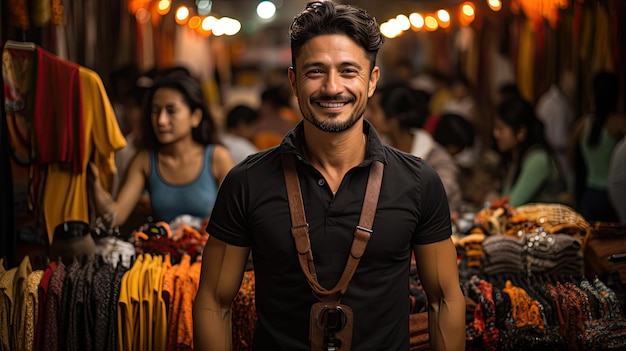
(320, 64)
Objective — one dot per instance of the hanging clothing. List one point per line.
(67, 199)
(58, 114)
(73, 122)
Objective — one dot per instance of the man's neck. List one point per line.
(334, 154)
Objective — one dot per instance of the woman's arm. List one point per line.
(535, 170)
(222, 163)
(129, 194)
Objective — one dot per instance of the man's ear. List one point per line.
(374, 77)
(291, 73)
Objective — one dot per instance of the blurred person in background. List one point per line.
(277, 117)
(398, 112)
(238, 132)
(617, 180)
(593, 140)
(531, 173)
(179, 162)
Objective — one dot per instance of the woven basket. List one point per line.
(554, 218)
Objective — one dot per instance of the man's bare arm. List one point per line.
(439, 275)
(223, 266)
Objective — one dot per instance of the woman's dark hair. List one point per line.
(605, 94)
(518, 113)
(400, 101)
(205, 133)
(453, 129)
(325, 17)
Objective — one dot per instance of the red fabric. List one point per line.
(42, 292)
(431, 123)
(58, 117)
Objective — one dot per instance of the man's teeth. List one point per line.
(331, 104)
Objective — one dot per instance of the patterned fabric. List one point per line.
(70, 284)
(53, 308)
(101, 299)
(31, 309)
(244, 314)
(120, 271)
(188, 290)
(19, 287)
(42, 291)
(181, 275)
(6, 308)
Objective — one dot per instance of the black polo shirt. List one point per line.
(252, 210)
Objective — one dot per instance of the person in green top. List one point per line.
(531, 173)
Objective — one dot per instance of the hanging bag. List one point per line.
(331, 322)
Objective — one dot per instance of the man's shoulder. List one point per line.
(398, 158)
(259, 161)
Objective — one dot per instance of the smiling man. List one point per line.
(333, 74)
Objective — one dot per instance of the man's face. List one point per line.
(332, 81)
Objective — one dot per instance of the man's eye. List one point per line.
(314, 72)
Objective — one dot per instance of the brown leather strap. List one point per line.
(300, 227)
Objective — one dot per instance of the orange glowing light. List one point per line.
(430, 23)
(194, 22)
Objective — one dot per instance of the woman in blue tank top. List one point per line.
(180, 164)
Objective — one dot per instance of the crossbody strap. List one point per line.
(300, 227)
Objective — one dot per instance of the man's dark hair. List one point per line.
(325, 17)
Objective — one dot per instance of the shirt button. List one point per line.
(321, 182)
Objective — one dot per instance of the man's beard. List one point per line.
(330, 127)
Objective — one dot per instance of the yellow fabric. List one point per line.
(525, 59)
(160, 315)
(586, 37)
(152, 268)
(603, 59)
(439, 98)
(65, 193)
(136, 291)
(125, 311)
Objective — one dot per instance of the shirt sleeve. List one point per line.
(228, 221)
(434, 221)
(535, 170)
